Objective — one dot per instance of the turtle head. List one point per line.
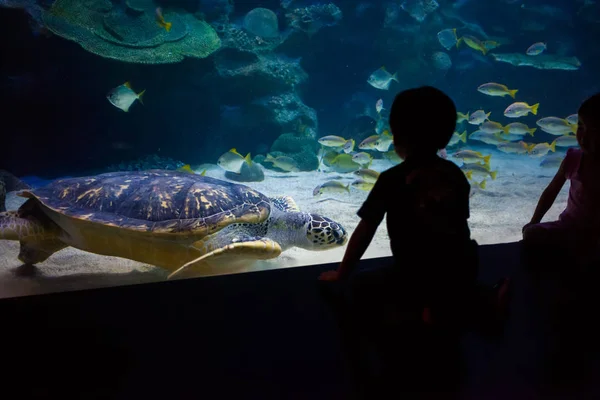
(323, 233)
(305, 230)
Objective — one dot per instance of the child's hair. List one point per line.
(589, 112)
(423, 119)
(590, 109)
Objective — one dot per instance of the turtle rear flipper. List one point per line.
(36, 251)
(249, 247)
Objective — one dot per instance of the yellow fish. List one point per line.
(460, 117)
(161, 20)
(497, 89)
(362, 185)
(473, 43)
(471, 156)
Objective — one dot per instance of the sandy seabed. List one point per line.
(497, 215)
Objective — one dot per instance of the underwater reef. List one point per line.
(131, 34)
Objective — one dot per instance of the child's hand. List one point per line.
(330, 276)
(526, 226)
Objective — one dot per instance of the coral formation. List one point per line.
(419, 9)
(311, 19)
(288, 111)
(131, 36)
(262, 22)
(153, 161)
(299, 147)
(271, 72)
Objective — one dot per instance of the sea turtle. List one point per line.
(170, 219)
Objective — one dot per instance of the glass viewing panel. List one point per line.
(264, 125)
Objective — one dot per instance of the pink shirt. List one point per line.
(583, 208)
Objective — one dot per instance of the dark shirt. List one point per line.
(426, 200)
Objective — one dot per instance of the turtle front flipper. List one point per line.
(245, 247)
(285, 203)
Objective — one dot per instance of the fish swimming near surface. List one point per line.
(123, 96)
(160, 20)
(381, 79)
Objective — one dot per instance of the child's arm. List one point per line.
(358, 244)
(549, 195)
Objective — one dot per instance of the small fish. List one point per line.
(392, 156)
(123, 96)
(471, 156)
(536, 48)
(566, 141)
(513, 147)
(333, 141)
(379, 106)
(160, 20)
(488, 138)
(232, 161)
(458, 137)
(377, 142)
(478, 117)
(556, 126)
(331, 187)
(510, 137)
(541, 149)
(519, 128)
(477, 187)
(381, 79)
(520, 109)
(460, 117)
(362, 185)
(381, 126)
(492, 127)
(448, 38)
(367, 175)
(478, 169)
(473, 43)
(343, 163)
(186, 168)
(285, 163)
(491, 44)
(362, 158)
(552, 161)
(348, 147)
(497, 89)
(573, 119)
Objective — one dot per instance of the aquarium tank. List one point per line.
(145, 140)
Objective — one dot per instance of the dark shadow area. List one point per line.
(272, 335)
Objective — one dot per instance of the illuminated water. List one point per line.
(305, 80)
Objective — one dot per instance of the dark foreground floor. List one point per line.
(270, 335)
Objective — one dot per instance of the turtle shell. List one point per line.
(156, 201)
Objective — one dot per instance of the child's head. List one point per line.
(422, 120)
(588, 127)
